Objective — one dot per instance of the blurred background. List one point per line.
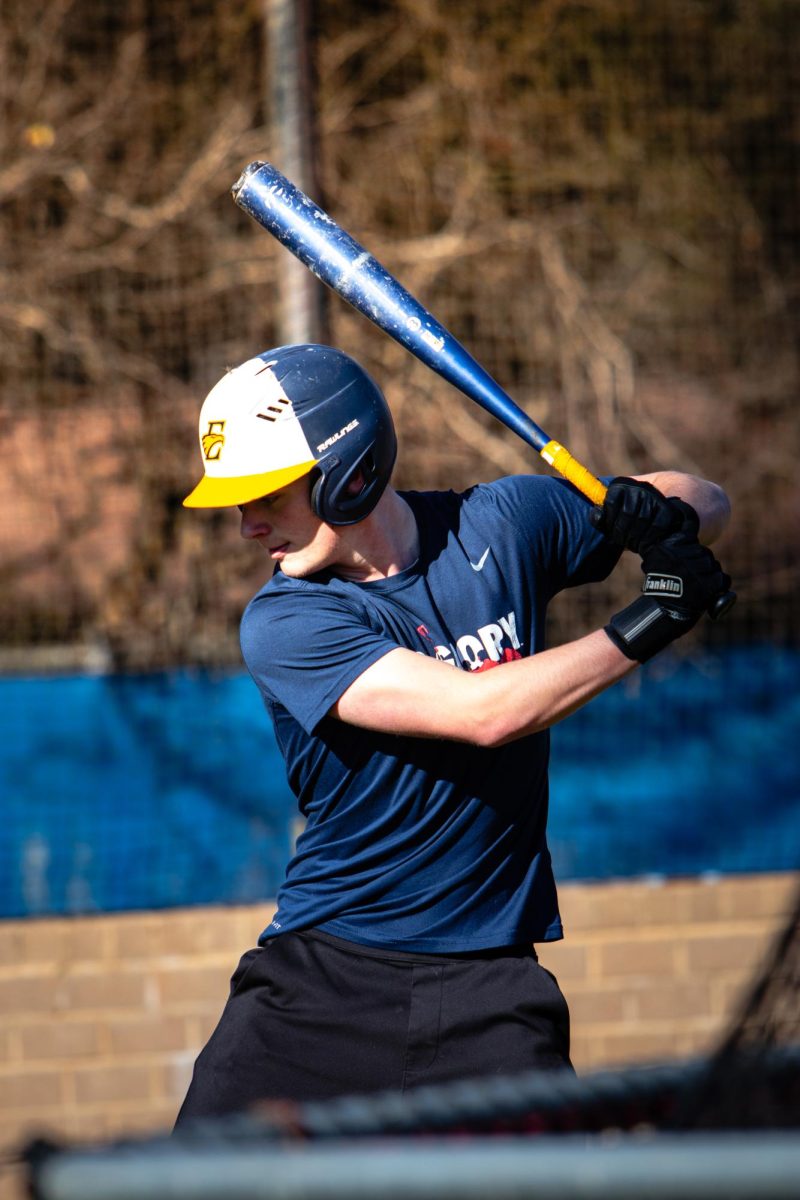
(601, 202)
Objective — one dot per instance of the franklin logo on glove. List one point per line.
(663, 585)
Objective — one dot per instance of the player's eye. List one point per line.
(262, 502)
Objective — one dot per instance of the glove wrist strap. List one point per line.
(645, 627)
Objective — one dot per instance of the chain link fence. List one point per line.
(600, 201)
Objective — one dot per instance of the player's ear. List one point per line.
(356, 483)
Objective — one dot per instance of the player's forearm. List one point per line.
(408, 693)
(707, 499)
(532, 694)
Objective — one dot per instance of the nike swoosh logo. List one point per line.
(478, 566)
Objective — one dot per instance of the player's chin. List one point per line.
(296, 566)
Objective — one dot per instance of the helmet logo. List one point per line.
(213, 441)
(335, 437)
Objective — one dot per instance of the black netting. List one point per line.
(601, 203)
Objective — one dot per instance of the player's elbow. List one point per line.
(474, 723)
(492, 736)
(490, 711)
(716, 520)
(496, 725)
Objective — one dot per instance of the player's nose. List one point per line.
(254, 521)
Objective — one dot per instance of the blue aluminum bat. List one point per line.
(345, 266)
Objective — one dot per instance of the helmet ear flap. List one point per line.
(317, 495)
(333, 498)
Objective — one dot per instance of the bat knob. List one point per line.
(249, 170)
(722, 605)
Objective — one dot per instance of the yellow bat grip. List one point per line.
(560, 458)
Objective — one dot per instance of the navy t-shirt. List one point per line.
(419, 843)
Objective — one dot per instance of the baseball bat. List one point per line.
(345, 266)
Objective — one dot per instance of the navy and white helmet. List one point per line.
(290, 412)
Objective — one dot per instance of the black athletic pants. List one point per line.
(311, 1016)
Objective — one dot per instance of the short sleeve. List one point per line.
(304, 649)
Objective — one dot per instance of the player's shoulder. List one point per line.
(496, 493)
(286, 599)
(276, 589)
(516, 497)
(528, 507)
(534, 485)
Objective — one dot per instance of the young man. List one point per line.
(401, 951)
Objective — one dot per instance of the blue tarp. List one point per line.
(131, 792)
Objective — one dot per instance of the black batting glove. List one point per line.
(682, 581)
(635, 514)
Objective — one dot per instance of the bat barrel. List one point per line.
(344, 265)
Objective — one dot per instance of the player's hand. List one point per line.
(683, 574)
(634, 514)
(682, 581)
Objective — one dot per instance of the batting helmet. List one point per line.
(288, 413)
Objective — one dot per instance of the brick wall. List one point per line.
(653, 971)
(102, 1016)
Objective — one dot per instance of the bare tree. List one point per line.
(599, 200)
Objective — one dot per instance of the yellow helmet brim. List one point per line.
(213, 492)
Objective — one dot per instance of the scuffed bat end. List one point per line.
(249, 170)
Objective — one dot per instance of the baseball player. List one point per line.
(399, 650)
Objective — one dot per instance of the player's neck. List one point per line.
(383, 544)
